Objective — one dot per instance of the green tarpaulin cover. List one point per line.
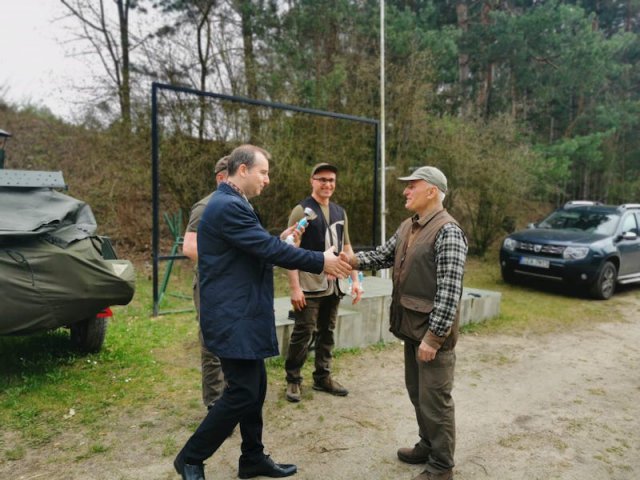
(51, 268)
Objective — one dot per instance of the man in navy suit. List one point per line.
(235, 263)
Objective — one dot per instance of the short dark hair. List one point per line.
(244, 154)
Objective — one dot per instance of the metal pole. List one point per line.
(4, 137)
(383, 197)
(263, 103)
(376, 166)
(383, 163)
(154, 193)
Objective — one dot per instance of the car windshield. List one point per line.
(581, 220)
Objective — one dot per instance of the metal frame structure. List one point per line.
(155, 142)
(4, 137)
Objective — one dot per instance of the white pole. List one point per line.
(383, 176)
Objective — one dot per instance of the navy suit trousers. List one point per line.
(241, 403)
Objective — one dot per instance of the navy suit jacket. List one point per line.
(235, 265)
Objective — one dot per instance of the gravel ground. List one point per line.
(558, 406)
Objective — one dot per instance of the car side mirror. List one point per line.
(531, 226)
(629, 236)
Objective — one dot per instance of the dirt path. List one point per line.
(564, 406)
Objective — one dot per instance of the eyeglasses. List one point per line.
(324, 179)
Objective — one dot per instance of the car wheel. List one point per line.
(605, 284)
(88, 335)
(508, 276)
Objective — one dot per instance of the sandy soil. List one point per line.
(562, 406)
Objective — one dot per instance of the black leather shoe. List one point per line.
(266, 468)
(188, 472)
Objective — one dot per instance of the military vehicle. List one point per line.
(55, 271)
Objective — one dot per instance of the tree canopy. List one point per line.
(516, 100)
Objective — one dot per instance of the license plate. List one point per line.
(534, 262)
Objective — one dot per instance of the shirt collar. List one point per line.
(237, 189)
(420, 222)
(234, 188)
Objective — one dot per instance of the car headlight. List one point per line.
(509, 244)
(575, 253)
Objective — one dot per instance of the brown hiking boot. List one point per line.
(293, 392)
(448, 475)
(417, 454)
(330, 386)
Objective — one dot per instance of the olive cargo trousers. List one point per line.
(319, 316)
(429, 385)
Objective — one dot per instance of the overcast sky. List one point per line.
(34, 67)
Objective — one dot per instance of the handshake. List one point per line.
(338, 266)
(335, 265)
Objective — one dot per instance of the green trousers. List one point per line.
(212, 377)
(319, 318)
(429, 385)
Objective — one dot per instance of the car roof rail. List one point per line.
(626, 206)
(581, 203)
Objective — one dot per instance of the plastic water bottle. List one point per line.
(361, 281)
(350, 287)
(301, 224)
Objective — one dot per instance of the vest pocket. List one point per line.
(418, 304)
(415, 317)
(313, 282)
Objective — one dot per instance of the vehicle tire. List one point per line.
(88, 335)
(508, 276)
(605, 284)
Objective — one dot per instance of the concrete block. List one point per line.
(385, 335)
(374, 308)
(372, 312)
(478, 305)
(284, 324)
(350, 330)
(367, 322)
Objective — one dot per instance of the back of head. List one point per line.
(220, 171)
(244, 154)
(221, 165)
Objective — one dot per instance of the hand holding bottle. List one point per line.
(299, 228)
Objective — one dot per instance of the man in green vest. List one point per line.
(427, 253)
(212, 376)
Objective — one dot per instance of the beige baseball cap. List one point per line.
(318, 167)
(430, 175)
